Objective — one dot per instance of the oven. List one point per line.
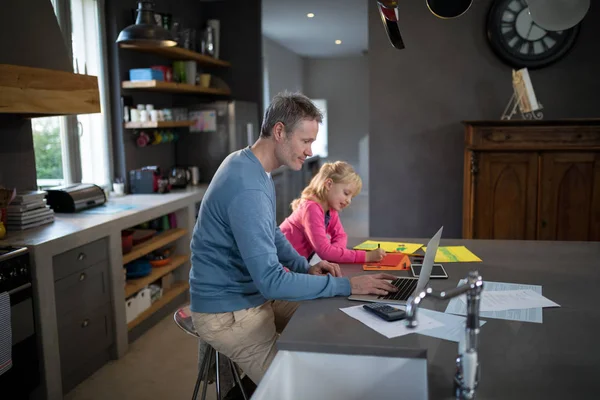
(15, 278)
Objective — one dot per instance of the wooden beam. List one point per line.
(45, 92)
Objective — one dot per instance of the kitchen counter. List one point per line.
(144, 207)
(70, 231)
(519, 360)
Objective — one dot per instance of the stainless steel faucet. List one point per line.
(467, 364)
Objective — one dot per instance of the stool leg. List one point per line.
(211, 352)
(218, 379)
(203, 366)
(238, 381)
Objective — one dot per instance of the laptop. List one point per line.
(407, 285)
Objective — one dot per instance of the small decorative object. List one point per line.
(522, 43)
(523, 98)
(388, 11)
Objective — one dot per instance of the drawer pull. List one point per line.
(81, 256)
(85, 323)
(82, 276)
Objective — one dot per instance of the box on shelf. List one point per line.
(146, 74)
(144, 299)
(131, 308)
(167, 281)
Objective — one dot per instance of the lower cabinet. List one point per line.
(83, 310)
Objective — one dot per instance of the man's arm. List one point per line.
(288, 256)
(252, 224)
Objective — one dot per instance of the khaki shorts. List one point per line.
(246, 336)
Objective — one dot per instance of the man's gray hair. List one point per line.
(289, 109)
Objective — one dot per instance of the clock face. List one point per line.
(519, 41)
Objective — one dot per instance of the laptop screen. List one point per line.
(428, 261)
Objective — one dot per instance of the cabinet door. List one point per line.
(505, 196)
(570, 196)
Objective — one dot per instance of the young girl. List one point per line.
(314, 226)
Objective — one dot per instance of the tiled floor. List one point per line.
(162, 364)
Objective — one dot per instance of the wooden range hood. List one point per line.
(38, 92)
(36, 71)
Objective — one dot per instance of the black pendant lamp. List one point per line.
(145, 32)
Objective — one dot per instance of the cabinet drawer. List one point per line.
(533, 138)
(80, 337)
(83, 290)
(79, 258)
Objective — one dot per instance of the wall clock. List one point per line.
(519, 42)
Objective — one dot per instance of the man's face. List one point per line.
(294, 147)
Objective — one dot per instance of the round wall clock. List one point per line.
(519, 42)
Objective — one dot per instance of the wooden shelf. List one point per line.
(37, 92)
(175, 290)
(135, 285)
(158, 124)
(172, 87)
(181, 54)
(156, 242)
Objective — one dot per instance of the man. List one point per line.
(241, 295)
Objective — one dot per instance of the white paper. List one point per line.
(511, 300)
(453, 328)
(390, 329)
(535, 315)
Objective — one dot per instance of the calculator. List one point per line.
(385, 312)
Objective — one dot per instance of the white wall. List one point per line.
(343, 82)
(283, 70)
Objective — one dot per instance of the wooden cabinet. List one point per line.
(532, 180)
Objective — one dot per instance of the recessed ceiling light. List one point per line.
(338, 41)
(310, 15)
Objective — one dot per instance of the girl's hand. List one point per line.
(375, 255)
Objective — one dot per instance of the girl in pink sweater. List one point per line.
(314, 226)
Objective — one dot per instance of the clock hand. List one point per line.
(529, 31)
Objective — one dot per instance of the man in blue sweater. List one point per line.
(241, 295)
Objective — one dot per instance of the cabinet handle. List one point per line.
(81, 256)
(82, 276)
(85, 323)
(544, 223)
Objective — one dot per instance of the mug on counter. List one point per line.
(195, 175)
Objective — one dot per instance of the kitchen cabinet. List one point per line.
(83, 311)
(536, 180)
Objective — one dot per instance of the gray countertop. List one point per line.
(557, 359)
(144, 208)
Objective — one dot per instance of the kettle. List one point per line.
(179, 177)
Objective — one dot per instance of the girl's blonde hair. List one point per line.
(338, 172)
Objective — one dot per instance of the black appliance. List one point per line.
(179, 177)
(15, 278)
(77, 197)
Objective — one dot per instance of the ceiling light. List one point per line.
(310, 15)
(338, 41)
(145, 32)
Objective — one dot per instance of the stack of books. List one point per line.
(28, 210)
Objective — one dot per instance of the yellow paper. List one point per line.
(454, 254)
(389, 247)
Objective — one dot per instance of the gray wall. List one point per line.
(285, 69)
(344, 84)
(419, 95)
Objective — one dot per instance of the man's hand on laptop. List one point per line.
(324, 268)
(373, 284)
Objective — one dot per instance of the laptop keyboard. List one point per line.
(405, 288)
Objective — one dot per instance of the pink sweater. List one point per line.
(305, 230)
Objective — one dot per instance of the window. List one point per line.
(76, 148)
(319, 147)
